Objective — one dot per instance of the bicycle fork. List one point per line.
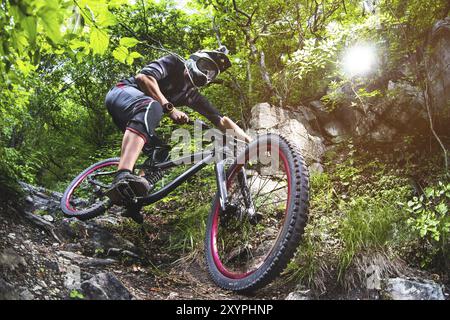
(223, 193)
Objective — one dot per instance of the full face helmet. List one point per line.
(205, 65)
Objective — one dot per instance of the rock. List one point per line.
(308, 114)
(41, 199)
(72, 274)
(335, 129)
(405, 105)
(7, 291)
(311, 146)
(105, 286)
(299, 294)
(49, 218)
(85, 261)
(320, 111)
(25, 294)
(73, 247)
(348, 115)
(11, 260)
(37, 288)
(264, 116)
(172, 296)
(316, 168)
(403, 289)
(91, 236)
(293, 124)
(383, 133)
(123, 254)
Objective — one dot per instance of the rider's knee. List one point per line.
(156, 108)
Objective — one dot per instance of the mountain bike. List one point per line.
(257, 216)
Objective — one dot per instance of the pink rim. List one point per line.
(69, 194)
(214, 229)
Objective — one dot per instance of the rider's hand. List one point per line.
(179, 116)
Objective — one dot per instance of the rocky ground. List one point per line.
(44, 256)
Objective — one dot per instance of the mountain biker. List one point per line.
(137, 105)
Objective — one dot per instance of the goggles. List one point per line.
(202, 71)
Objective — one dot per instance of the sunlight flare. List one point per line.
(359, 60)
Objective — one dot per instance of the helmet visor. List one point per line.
(201, 71)
(208, 68)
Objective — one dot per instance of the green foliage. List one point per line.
(430, 216)
(368, 224)
(355, 210)
(75, 294)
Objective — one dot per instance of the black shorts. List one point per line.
(132, 110)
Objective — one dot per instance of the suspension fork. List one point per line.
(223, 193)
(248, 201)
(221, 184)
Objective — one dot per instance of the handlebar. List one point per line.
(203, 124)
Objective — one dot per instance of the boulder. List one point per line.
(105, 286)
(383, 133)
(405, 105)
(264, 116)
(336, 131)
(404, 289)
(292, 124)
(320, 111)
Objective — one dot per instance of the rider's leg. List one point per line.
(132, 144)
(139, 130)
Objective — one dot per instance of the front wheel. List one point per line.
(85, 197)
(251, 243)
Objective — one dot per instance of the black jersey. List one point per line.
(169, 72)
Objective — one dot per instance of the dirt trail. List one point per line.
(50, 257)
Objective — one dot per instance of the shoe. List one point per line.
(126, 187)
(134, 212)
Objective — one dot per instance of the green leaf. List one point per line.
(133, 55)
(50, 20)
(99, 41)
(25, 67)
(76, 44)
(106, 19)
(75, 294)
(128, 42)
(423, 232)
(30, 26)
(120, 53)
(442, 209)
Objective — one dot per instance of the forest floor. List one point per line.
(35, 265)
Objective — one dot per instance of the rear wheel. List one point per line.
(84, 198)
(251, 243)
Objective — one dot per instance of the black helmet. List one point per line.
(205, 65)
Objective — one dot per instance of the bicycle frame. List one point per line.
(207, 157)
